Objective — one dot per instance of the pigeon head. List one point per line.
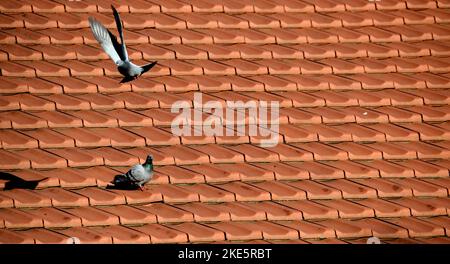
(149, 160)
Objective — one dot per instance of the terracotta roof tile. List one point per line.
(418, 228)
(11, 237)
(14, 218)
(53, 218)
(45, 236)
(210, 193)
(312, 210)
(162, 234)
(385, 208)
(91, 216)
(86, 235)
(362, 139)
(199, 233)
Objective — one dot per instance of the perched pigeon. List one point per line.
(117, 52)
(136, 177)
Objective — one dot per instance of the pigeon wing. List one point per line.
(103, 36)
(138, 174)
(123, 51)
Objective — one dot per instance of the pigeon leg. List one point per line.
(142, 188)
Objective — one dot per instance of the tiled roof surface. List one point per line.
(364, 90)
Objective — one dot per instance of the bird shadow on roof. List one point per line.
(15, 182)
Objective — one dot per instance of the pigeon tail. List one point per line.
(122, 182)
(147, 67)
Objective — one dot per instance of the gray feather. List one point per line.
(102, 35)
(139, 175)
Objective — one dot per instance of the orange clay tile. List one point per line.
(311, 210)
(330, 115)
(328, 133)
(199, 233)
(166, 213)
(418, 228)
(271, 230)
(245, 192)
(297, 133)
(346, 228)
(424, 169)
(122, 235)
(316, 190)
(385, 208)
(84, 137)
(358, 151)
(255, 154)
(42, 159)
(91, 216)
(50, 139)
(421, 207)
(425, 150)
(174, 194)
(209, 193)
(318, 170)
(158, 157)
(15, 218)
(322, 151)
(114, 157)
(45, 236)
(392, 151)
(219, 154)
(13, 161)
(363, 129)
(69, 177)
(86, 235)
(11, 139)
(162, 234)
(422, 188)
(248, 172)
(440, 221)
(444, 182)
(62, 198)
(101, 197)
(11, 237)
(394, 132)
(181, 175)
(308, 229)
(22, 120)
(348, 209)
(237, 231)
(276, 211)
(210, 173)
(283, 171)
(351, 189)
(53, 218)
(382, 229)
(205, 212)
(185, 155)
(146, 196)
(129, 215)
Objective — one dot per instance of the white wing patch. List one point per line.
(102, 36)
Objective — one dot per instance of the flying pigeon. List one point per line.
(136, 177)
(117, 52)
